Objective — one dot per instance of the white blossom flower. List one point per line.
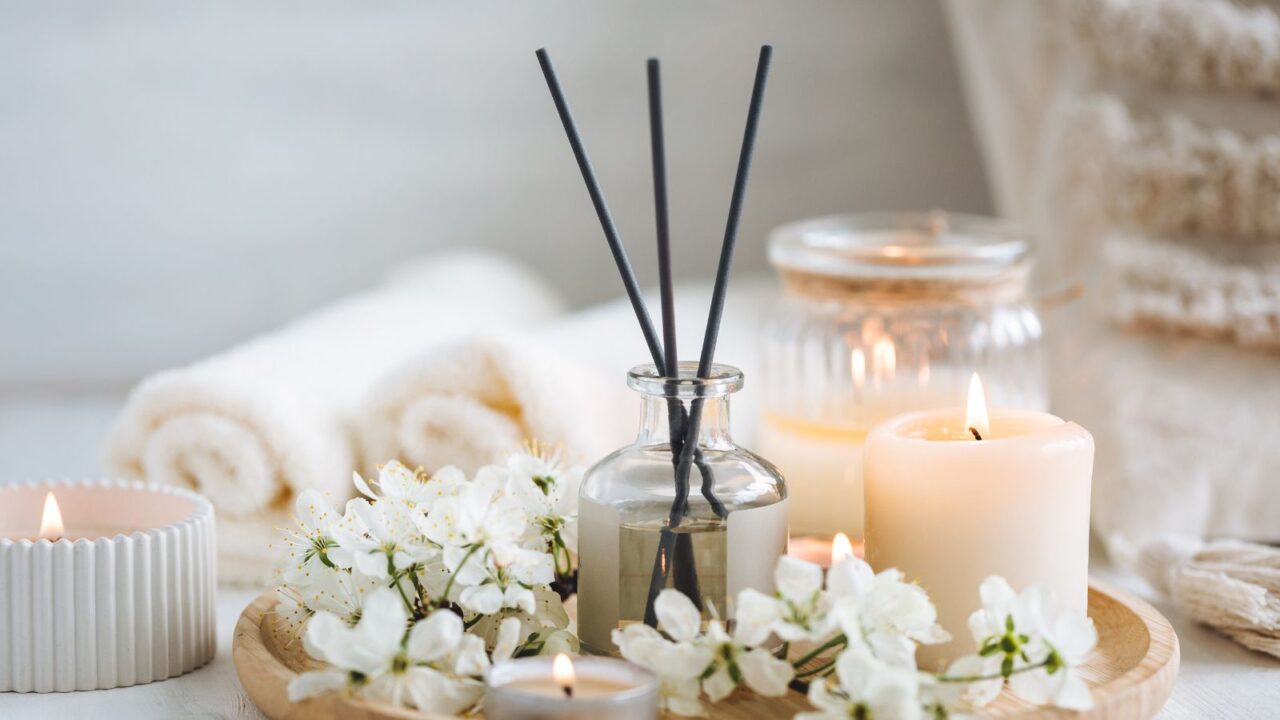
(731, 663)
(1002, 607)
(435, 668)
(1039, 659)
(479, 515)
(867, 688)
(338, 593)
(549, 492)
(882, 610)
(678, 665)
(417, 490)
(380, 539)
(1066, 645)
(308, 543)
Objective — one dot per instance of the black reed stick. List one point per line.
(602, 209)
(721, 287)
(735, 214)
(658, 149)
(675, 554)
(688, 449)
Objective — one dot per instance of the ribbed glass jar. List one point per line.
(881, 314)
(710, 530)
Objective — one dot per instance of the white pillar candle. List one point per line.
(948, 509)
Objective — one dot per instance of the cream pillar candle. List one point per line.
(948, 509)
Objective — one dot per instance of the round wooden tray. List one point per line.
(1131, 672)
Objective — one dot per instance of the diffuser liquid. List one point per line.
(694, 562)
(617, 560)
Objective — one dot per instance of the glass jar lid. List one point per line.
(899, 246)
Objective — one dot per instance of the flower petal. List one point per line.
(764, 673)
(677, 615)
(482, 599)
(508, 638)
(436, 637)
(719, 686)
(311, 684)
(755, 616)
(797, 580)
(849, 577)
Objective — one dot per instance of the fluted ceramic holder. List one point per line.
(125, 597)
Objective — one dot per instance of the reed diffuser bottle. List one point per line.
(645, 523)
(682, 507)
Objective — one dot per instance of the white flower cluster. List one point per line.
(872, 623)
(418, 586)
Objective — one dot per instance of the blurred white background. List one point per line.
(177, 177)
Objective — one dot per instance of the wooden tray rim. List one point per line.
(1138, 692)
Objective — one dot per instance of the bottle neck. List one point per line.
(658, 411)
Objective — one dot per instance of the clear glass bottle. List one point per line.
(637, 534)
(881, 314)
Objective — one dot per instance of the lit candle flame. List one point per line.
(859, 362)
(884, 357)
(562, 673)
(976, 419)
(51, 519)
(841, 549)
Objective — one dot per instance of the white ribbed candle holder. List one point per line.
(125, 597)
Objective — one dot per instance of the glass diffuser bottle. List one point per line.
(721, 531)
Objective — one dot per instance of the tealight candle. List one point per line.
(821, 551)
(570, 689)
(103, 585)
(954, 496)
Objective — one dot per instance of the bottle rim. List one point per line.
(899, 245)
(721, 381)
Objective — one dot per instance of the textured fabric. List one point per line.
(1232, 586)
(1197, 45)
(1165, 286)
(250, 427)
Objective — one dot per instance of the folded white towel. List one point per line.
(252, 426)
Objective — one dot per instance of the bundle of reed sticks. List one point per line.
(674, 556)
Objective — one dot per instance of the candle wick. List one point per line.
(568, 691)
(976, 435)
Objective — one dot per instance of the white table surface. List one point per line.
(1218, 679)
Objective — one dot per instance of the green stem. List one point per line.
(994, 676)
(782, 651)
(408, 605)
(444, 597)
(417, 585)
(837, 640)
(815, 671)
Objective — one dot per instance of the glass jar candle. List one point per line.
(709, 529)
(881, 314)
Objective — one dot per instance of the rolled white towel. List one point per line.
(254, 425)
(471, 402)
